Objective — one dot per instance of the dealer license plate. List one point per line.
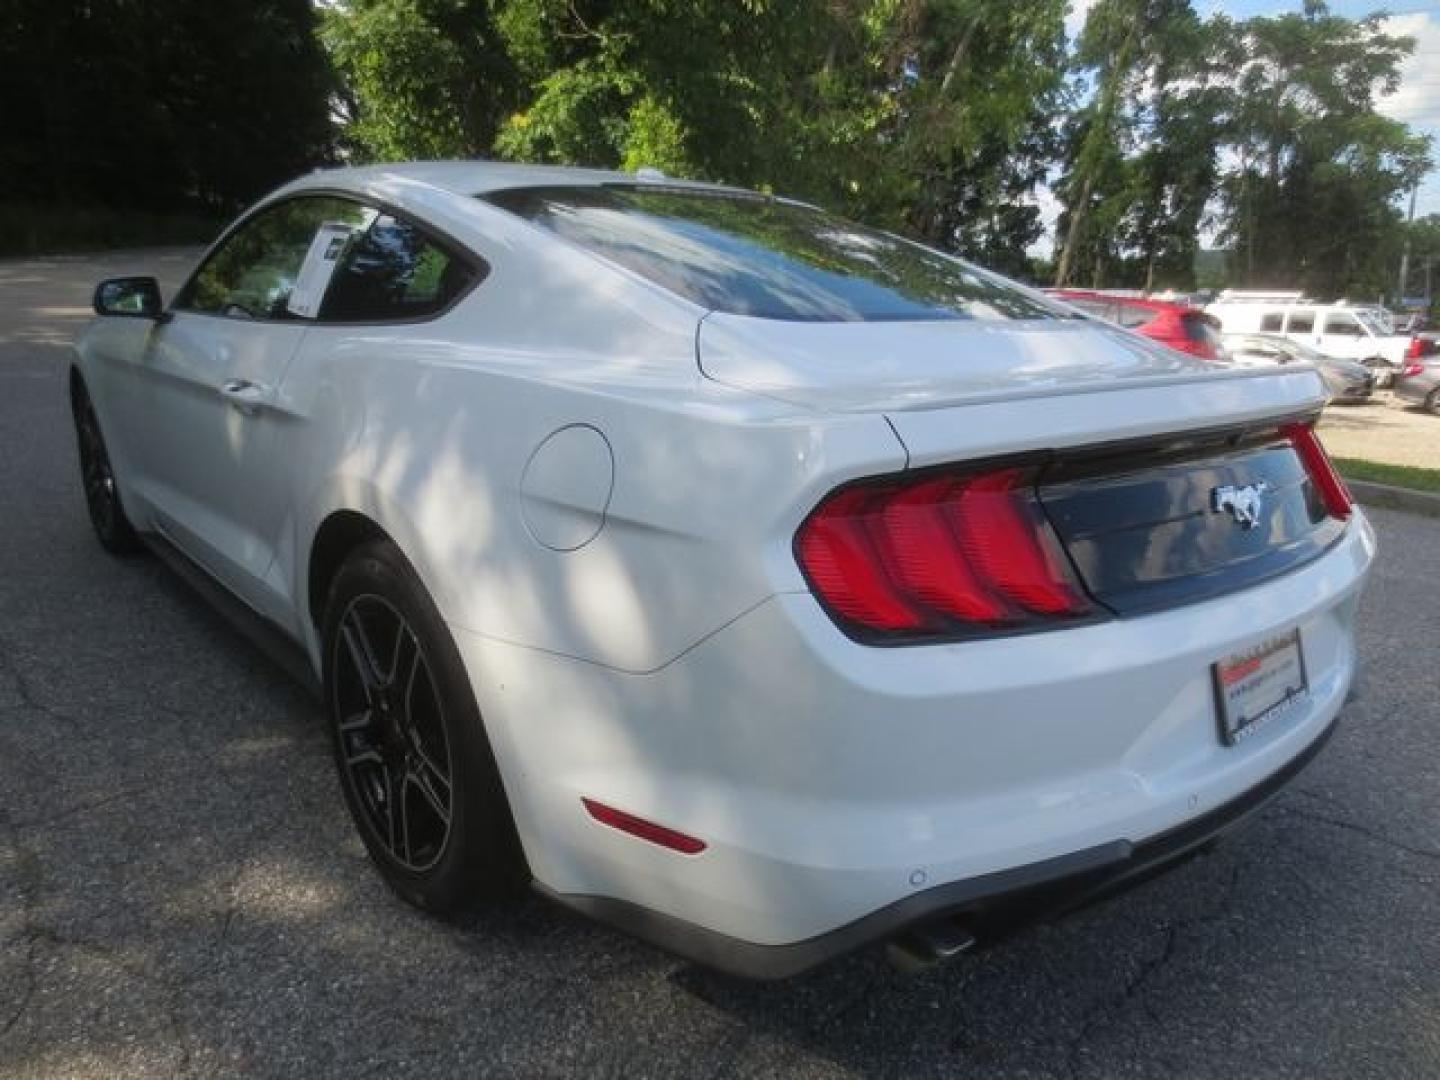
(1256, 685)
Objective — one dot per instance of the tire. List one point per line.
(415, 766)
(102, 496)
(1432, 400)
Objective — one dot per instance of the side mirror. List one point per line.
(129, 297)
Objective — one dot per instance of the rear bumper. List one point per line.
(1414, 389)
(989, 906)
(843, 791)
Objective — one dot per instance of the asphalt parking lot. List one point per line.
(181, 893)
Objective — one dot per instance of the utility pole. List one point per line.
(1405, 251)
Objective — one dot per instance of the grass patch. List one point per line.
(27, 229)
(1406, 476)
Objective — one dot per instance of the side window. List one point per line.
(1271, 322)
(394, 271)
(1099, 309)
(1302, 322)
(1343, 325)
(1132, 315)
(252, 274)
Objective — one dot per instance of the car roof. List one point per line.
(470, 178)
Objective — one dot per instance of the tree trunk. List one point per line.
(1090, 152)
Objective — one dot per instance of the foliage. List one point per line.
(941, 119)
(1405, 476)
(1309, 202)
(40, 229)
(1265, 129)
(165, 106)
(930, 116)
(421, 78)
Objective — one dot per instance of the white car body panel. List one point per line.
(886, 366)
(600, 484)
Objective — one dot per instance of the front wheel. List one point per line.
(102, 497)
(416, 768)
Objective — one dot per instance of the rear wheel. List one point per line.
(415, 765)
(1432, 400)
(102, 497)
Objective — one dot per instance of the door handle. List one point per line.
(249, 397)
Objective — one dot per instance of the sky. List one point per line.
(1416, 102)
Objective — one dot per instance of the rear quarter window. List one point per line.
(393, 272)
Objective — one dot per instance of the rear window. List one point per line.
(752, 255)
(1271, 322)
(1202, 328)
(1133, 316)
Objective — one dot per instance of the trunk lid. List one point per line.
(1171, 522)
(907, 366)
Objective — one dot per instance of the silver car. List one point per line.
(1348, 381)
(1419, 382)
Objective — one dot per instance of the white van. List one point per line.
(1343, 330)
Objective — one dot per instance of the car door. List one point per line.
(214, 445)
(354, 373)
(1342, 335)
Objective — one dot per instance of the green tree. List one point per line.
(1310, 200)
(162, 105)
(1140, 151)
(422, 78)
(930, 116)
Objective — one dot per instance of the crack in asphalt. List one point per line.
(1109, 1009)
(28, 696)
(75, 809)
(1359, 830)
(27, 876)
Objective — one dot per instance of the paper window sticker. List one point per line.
(321, 259)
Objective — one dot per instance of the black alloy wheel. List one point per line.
(415, 764)
(102, 497)
(392, 733)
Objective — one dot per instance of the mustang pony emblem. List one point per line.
(1243, 502)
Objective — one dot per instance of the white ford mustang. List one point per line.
(755, 581)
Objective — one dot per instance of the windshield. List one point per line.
(1372, 322)
(751, 255)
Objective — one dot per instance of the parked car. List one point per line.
(1339, 330)
(1176, 324)
(1419, 382)
(1349, 382)
(752, 580)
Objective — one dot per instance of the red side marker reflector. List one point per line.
(645, 830)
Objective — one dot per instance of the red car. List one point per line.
(1167, 321)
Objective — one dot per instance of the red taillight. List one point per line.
(1411, 369)
(1333, 491)
(938, 556)
(1418, 349)
(645, 830)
